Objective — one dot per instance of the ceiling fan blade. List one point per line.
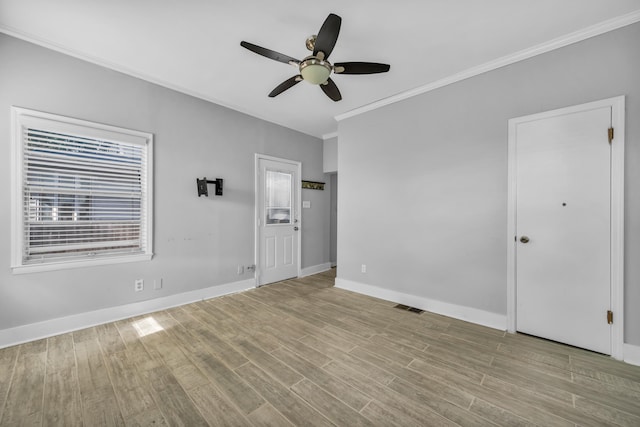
(360, 68)
(285, 85)
(331, 90)
(328, 35)
(271, 54)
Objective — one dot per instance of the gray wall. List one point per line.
(423, 182)
(198, 242)
(330, 155)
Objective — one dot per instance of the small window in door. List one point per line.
(278, 197)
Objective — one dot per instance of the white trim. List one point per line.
(329, 135)
(511, 227)
(21, 117)
(17, 226)
(577, 36)
(617, 225)
(49, 328)
(468, 314)
(256, 203)
(557, 43)
(632, 354)
(53, 265)
(315, 269)
(133, 73)
(617, 105)
(86, 128)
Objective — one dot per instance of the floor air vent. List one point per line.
(407, 308)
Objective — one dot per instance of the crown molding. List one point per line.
(557, 43)
(329, 135)
(132, 73)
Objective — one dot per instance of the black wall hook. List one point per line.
(202, 186)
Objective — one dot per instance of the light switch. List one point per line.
(306, 204)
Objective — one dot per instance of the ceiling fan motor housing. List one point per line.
(311, 42)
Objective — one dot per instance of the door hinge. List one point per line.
(609, 317)
(610, 135)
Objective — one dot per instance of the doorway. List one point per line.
(565, 225)
(277, 217)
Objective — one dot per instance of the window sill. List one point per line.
(55, 266)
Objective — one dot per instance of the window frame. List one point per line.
(268, 194)
(22, 117)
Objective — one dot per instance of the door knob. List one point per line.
(295, 228)
(524, 239)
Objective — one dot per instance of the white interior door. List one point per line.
(278, 220)
(563, 228)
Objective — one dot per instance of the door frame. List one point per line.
(256, 221)
(617, 105)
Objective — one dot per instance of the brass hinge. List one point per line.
(610, 135)
(609, 317)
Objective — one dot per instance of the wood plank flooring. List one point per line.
(302, 353)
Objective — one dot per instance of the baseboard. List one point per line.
(49, 328)
(315, 269)
(632, 354)
(469, 314)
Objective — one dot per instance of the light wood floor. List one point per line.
(303, 353)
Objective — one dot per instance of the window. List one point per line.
(82, 193)
(278, 197)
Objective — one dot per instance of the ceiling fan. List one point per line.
(316, 68)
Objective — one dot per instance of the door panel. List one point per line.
(563, 207)
(278, 220)
(270, 252)
(288, 254)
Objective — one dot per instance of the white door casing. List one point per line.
(566, 196)
(278, 226)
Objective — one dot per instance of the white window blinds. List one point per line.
(83, 196)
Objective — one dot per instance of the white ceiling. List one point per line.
(194, 45)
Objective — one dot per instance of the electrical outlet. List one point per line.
(241, 269)
(157, 284)
(363, 269)
(138, 285)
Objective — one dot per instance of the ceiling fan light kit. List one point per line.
(316, 69)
